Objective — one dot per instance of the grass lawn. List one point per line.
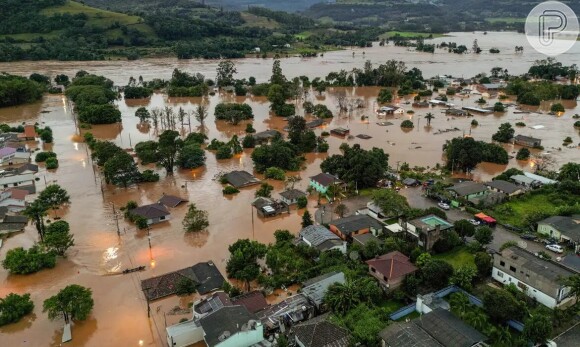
(458, 257)
(513, 212)
(390, 34)
(390, 305)
(506, 20)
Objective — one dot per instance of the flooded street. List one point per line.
(119, 317)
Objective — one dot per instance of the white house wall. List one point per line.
(532, 292)
(244, 338)
(185, 338)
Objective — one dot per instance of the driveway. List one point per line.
(501, 235)
(324, 214)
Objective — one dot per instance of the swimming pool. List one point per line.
(434, 221)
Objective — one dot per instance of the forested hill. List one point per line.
(238, 5)
(69, 30)
(435, 16)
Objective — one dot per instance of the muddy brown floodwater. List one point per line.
(119, 317)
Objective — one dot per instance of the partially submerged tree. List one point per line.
(13, 307)
(36, 211)
(195, 220)
(243, 262)
(58, 237)
(73, 303)
(54, 196)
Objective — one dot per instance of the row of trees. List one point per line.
(464, 153)
(93, 97)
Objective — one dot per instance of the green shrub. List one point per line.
(520, 124)
(385, 96)
(140, 222)
(51, 163)
(577, 124)
(326, 133)
(149, 176)
(41, 157)
(302, 201)
(523, 154)
(275, 173)
(474, 123)
(249, 142)
(407, 124)
(557, 108)
(230, 190)
(250, 128)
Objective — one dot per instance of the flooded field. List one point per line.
(120, 314)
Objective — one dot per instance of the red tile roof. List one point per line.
(29, 131)
(253, 301)
(392, 265)
(18, 194)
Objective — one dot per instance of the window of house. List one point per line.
(373, 269)
(385, 278)
(500, 274)
(162, 217)
(513, 269)
(502, 263)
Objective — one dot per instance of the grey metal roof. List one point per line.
(363, 239)
(151, 211)
(325, 179)
(240, 179)
(319, 332)
(546, 269)
(568, 226)
(208, 276)
(226, 322)
(315, 288)
(317, 234)
(526, 138)
(266, 135)
(329, 244)
(349, 224)
(171, 200)
(468, 188)
(503, 186)
(407, 335)
(292, 194)
(449, 330)
(522, 179)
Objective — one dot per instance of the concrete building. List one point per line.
(16, 180)
(537, 278)
(321, 238)
(232, 326)
(562, 228)
(427, 229)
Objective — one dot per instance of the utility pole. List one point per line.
(116, 219)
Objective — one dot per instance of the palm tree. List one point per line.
(428, 117)
(500, 335)
(36, 212)
(477, 319)
(459, 303)
(574, 283)
(340, 298)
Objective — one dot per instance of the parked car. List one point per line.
(443, 205)
(555, 248)
(530, 237)
(511, 227)
(474, 222)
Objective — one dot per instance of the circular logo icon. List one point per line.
(552, 28)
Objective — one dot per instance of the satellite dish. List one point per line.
(354, 255)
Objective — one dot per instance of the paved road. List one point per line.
(500, 236)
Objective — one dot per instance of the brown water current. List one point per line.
(119, 317)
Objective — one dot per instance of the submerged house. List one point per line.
(323, 181)
(291, 196)
(153, 213)
(527, 141)
(240, 179)
(29, 133)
